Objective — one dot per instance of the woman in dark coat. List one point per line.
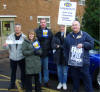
(57, 45)
(32, 52)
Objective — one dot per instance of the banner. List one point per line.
(14, 42)
(76, 56)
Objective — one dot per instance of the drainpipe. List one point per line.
(1, 34)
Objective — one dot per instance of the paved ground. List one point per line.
(4, 80)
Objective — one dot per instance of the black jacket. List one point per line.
(58, 55)
(45, 42)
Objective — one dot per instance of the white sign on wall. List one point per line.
(67, 12)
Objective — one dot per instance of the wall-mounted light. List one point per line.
(4, 6)
(31, 17)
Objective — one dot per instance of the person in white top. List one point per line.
(14, 44)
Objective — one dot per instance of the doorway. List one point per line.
(6, 28)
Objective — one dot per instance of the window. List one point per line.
(81, 2)
(47, 20)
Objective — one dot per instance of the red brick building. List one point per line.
(28, 13)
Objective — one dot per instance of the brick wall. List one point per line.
(23, 9)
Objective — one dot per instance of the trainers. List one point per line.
(59, 86)
(64, 86)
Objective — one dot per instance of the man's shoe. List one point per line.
(64, 86)
(22, 87)
(28, 90)
(59, 86)
(46, 84)
(11, 87)
(75, 91)
(38, 90)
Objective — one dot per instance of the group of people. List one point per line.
(31, 54)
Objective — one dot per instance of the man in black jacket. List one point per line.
(44, 36)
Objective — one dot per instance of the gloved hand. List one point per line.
(36, 52)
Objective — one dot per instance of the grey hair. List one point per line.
(17, 24)
(77, 22)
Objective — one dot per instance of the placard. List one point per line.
(75, 56)
(67, 12)
(36, 45)
(45, 33)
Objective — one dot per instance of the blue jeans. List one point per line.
(62, 73)
(44, 64)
